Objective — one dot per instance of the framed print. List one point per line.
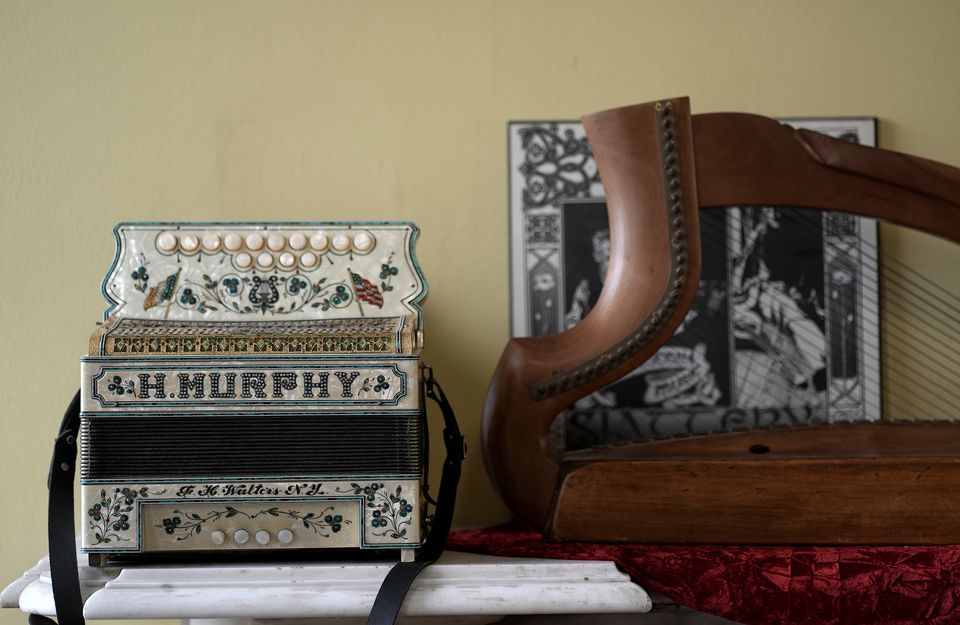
(784, 330)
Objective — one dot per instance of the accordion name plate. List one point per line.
(341, 383)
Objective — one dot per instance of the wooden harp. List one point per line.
(877, 482)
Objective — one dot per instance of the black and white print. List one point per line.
(784, 329)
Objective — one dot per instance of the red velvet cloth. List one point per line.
(763, 585)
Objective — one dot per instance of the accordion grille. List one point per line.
(205, 446)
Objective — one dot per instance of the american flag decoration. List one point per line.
(366, 291)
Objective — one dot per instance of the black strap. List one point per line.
(64, 572)
(395, 585)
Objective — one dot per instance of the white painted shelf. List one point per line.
(459, 588)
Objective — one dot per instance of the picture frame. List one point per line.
(785, 330)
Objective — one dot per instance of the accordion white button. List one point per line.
(217, 537)
(341, 242)
(287, 259)
(263, 537)
(233, 242)
(319, 242)
(265, 260)
(308, 260)
(363, 242)
(276, 242)
(211, 242)
(298, 241)
(254, 241)
(244, 260)
(241, 536)
(285, 536)
(167, 242)
(189, 243)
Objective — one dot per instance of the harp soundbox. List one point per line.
(887, 481)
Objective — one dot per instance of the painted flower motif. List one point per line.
(140, 274)
(334, 521)
(386, 271)
(187, 298)
(129, 496)
(378, 519)
(121, 523)
(232, 284)
(170, 525)
(297, 285)
(340, 295)
(381, 384)
(118, 386)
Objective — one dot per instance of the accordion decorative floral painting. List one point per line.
(784, 330)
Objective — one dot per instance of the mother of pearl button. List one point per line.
(341, 242)
(189, 243)
(211, 242)
(241, 536)
(254, 241)
(298, 241)
(285, 536)
(363, 242)
(243, 260)
(287, 260)
(263, 537)
(233, 242)
(265, 260)
(319, 242)
(308, 259)
(217, 537)
(276, 242)
(167, 242)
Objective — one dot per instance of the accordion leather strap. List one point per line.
(395, 585)
(64, 572)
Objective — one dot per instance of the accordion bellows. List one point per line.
(255, 387)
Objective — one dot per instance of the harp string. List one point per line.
(909, 321)
(894, 273)
(751, 377)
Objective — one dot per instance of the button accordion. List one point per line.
(255, 387)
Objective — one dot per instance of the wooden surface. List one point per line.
(879, 501)
(869, 483)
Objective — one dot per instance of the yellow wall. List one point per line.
(371, 110)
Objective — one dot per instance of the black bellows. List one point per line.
(255, 446)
